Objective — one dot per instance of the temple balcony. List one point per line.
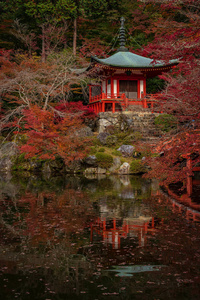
(116, 102)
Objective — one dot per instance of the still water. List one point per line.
(96, 238)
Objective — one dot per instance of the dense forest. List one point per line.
(43, 41)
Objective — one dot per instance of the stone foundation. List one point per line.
(142, 122)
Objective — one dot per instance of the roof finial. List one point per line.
(122, 36)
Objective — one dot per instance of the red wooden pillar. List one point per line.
(103, 106)
(113, 107)
(145, 103)
(114, 224)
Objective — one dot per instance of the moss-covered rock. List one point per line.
(104, 160)
(137, 166)
(111, 140)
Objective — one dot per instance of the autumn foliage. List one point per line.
(84, 112)
(47, 139)
(171, 163)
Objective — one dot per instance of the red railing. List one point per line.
(147, 101)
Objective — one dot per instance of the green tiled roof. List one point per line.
(127, 59)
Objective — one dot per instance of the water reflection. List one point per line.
(95, 238)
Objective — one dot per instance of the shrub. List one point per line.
(93, 150)
(166, 122)
(111, 140)
(137, 166)
(128, 140)
(101, 149)
(104, 160)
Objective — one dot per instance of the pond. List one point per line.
(115, 237)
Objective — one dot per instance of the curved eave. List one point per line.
(82, 70)
(143, 69)
(131, 61)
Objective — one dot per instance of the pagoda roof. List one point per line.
(126, 59)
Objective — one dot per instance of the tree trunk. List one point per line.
(75, 37)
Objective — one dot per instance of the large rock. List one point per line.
(74, 167)
(116, 165)
(84, 132)
(125, 168)
(126, 150)
(103, 137)
(8, 153)
(91, 160)
(9, 149)
(95, 171)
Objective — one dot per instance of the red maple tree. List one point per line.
(176, 35)
(47, 139)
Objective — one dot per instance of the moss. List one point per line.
(166, 122)
(111, 140)
(101, 149)
(93, 150)
(104, 160)
(137, 167)
(116, 153)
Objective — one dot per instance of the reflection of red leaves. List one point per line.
(50, 216)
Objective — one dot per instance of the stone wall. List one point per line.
(142, 122)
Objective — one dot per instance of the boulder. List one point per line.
(102, 137)
(101, 171)
(9, 149)
(84, 132)
(74, 167)
(8, 152)
(5, 164)
(126, 150)
(124, 168)
(90, 171)
(116, 165)
(91, 160)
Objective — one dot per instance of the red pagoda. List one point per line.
(123, 79)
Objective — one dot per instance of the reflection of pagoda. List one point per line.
(181, 204)
(113, 228)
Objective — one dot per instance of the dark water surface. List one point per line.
(96, 238)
